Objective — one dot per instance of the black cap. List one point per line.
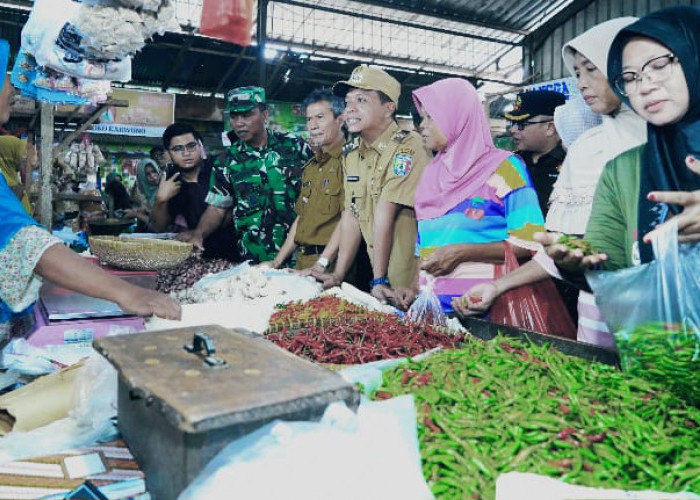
(535, 102)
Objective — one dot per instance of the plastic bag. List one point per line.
(229, 20)
(510, 486)
(373, 455)
(537, 306)
(653, 311)
(427, 308)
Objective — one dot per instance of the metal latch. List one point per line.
(203, 343)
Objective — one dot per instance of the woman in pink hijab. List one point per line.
(472, 196)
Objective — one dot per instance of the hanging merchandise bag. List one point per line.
(229, 20)
(537, 307)
(654, 312)
(427, 308)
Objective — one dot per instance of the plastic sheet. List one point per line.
(90, 420)
(653, 311)
(372, 455)
(229, 20)
(510, 486)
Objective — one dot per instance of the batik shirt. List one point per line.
(262, 185)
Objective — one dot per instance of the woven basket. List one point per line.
(143, 254)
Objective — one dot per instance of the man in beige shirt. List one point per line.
(382, 168)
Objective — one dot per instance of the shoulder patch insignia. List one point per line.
(400, 136)
(350, 146)
(402, 164)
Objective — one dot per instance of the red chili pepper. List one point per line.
(596, 438)
(431, 425)
(566, 433)
(564, 409)
(382, 395)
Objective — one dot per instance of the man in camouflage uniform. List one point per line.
(260, 179)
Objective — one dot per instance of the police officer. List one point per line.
(320, 203)
(382, 168)
(259, 179)
(537, 140)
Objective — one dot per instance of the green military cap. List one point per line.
(244, 99)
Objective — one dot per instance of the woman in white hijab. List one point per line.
(570, 204)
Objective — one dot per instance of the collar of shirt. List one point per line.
(381, 143)
(553, 158)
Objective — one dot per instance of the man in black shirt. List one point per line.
(183, 188)
(538, 143)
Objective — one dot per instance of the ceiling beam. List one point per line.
(445, 16)
(405, 24)
(233, 67)
(177, 64)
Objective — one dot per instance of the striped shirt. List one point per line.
(506, 207)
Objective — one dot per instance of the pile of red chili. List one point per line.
(364, 338)
(317, 311)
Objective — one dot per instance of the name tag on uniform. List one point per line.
(353, 178)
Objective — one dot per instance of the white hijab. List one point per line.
(572, 196)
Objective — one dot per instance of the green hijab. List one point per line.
(663, 161)
(146, 188)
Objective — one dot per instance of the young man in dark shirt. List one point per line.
(183, 188)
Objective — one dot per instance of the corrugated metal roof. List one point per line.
(317, 42)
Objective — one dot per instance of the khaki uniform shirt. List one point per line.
(388, 170)
(320, 202)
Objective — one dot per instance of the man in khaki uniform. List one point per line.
(320, 202)
(382, 169)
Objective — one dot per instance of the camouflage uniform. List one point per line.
(262, 185)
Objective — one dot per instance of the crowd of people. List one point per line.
(439, 206)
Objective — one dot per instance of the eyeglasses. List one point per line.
(656, 70)
(189, 147)
(521, 125)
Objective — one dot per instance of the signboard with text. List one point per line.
(147, 115)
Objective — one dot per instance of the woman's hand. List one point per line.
(477, 300)
(145, 302)
(444, 260)
(688, 220)
(573, 261)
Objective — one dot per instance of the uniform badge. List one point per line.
(353, 178)
(402, 164)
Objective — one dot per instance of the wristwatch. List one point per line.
(323, 262)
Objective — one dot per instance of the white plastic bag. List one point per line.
(371, 456)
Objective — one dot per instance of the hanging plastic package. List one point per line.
(427, 308)
(51, 36)
(24, 77)
(654, 312)
(229, 20)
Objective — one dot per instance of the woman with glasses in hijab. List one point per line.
(653, 65)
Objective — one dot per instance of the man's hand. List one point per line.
(145, 302)
(271, 264)
(688, 220)
(193, 237)
(477, 300)
(310, 271)
(404, 297)
(327, 280)
(573, 261)
(168, 188)
(383, 294)
(443, 260)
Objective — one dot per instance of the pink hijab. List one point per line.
(469, 158)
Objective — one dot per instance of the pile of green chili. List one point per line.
(508, 405)
(665, 353)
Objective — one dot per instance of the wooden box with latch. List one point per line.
(186, 393)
